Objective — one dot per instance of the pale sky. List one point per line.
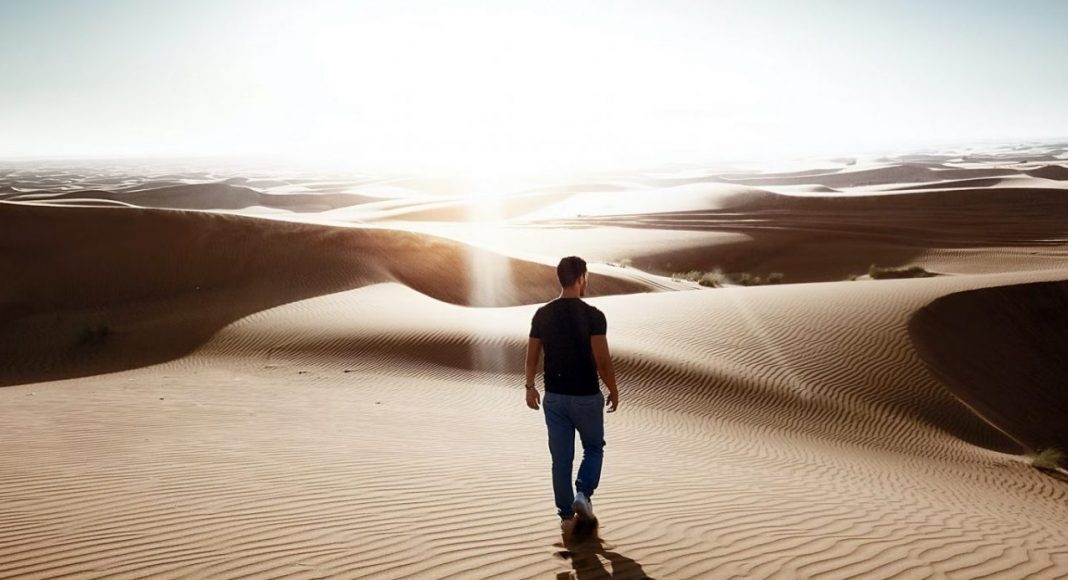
(459, 82)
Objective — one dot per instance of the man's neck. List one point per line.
(569, 293)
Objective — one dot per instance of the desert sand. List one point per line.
(252, 374)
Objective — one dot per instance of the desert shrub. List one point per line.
(747, 279)
(1049, 459)
(94, 334)
(878, 273)
(691, 276)
(717, 279)
(713, 279)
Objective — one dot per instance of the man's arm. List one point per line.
(599, 342)
(533, 354)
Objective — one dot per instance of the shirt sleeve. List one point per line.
(535, 332)
(598, 323)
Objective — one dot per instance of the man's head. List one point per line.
(572, 274)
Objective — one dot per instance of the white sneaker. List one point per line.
(582, 506)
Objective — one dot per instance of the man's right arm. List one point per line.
(599, 342)
(533, 355)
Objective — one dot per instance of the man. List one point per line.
(572, 334)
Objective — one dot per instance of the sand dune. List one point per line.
(786, 453)
(904, 173)
(1012, 365)
(1054, 172)
(277, 397)
(956, 184)
(821, 238)
(64, 278)
(204, 196)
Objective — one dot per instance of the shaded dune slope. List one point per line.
(1054, 172)
(911, 172)
(1003, 351)
(850, 177)
(960, 217)
(163, 281)
(819, 238)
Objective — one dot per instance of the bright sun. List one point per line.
(482, 87)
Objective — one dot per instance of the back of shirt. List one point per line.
(565, 326)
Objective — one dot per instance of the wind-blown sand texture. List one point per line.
(336, 392)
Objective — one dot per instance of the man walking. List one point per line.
(572, 333)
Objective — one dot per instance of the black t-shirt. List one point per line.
(565, 326)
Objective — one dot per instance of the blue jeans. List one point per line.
(564, 414)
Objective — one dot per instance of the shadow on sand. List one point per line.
(582, 545)
(1056, 474)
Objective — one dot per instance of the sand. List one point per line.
(333, 396)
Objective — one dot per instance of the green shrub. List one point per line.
(878, 273)
(1049, 459)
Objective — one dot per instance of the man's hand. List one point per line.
(533, 398)
(612, 402)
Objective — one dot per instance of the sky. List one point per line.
(525, 84)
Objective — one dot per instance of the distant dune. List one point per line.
(830, 237)
(1055, 172)
(204, 196)
(904, 173)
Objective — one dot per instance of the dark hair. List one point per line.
(570, 269)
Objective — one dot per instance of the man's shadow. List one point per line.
(581, 545)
